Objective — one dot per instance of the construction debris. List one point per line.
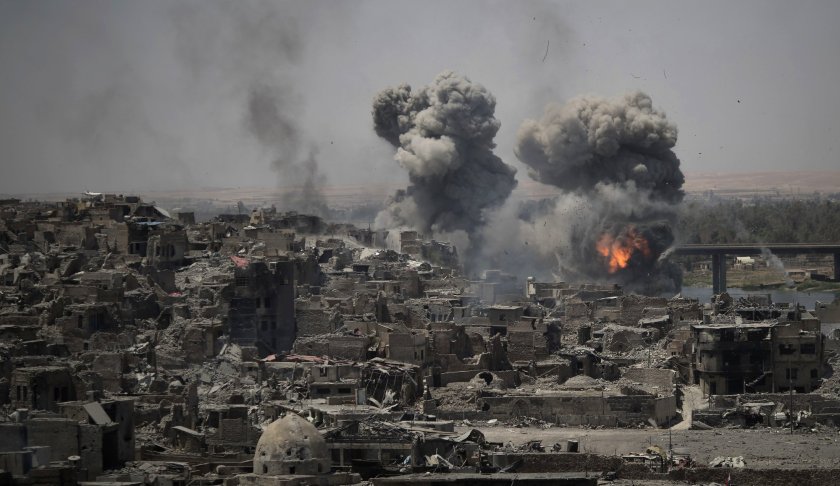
(170, 351)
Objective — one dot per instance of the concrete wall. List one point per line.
(510, 378)
(62, 435)
(633, 308)
(313, 322)
(557, 462)
(41, 388)
(754, 477)
(348, 347)
(12, 437)
(408, 348)
(616, 410)
(90, 448)
(110, 367)
(812, 402)
(522, 345)
(663, 379)
(17, 463)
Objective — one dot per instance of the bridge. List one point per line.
(719, 253)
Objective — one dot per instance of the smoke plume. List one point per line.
(444, 134)
(270, 118)
(777, 264)
(621, 181)
(593, 140)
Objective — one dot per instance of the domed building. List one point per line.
(291, 452)
(291, 445)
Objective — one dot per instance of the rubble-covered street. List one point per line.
(143, 347)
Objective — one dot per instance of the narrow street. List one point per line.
(692, 400)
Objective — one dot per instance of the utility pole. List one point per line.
(603, 403)
(791, 409)
(670, 443)
(790, 389)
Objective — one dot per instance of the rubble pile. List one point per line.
(158, 349)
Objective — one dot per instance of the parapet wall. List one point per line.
(615, 411)
(538, 462)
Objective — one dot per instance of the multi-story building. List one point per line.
(262, 310)
(762, 356)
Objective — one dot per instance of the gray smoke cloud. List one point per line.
(595, 140)
(138, 96)
(621, 181)
(774, 262)
(271, 119)
(444, 134)
(253, 48)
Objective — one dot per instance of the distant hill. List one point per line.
(782, 184)
(788, 183)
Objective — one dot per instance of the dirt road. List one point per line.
(692, 400)
(761, 448)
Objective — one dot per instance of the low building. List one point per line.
(99, 434)
(41, 387)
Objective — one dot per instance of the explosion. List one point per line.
(443, 134)
(621, 185)
(612, 160)
(618, 250)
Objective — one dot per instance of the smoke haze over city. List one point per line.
(153, 95)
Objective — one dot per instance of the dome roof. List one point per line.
(291, 445)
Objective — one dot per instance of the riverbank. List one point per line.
(761, 280)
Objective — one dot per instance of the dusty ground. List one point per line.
(761, 448)
(782, 183)
(753, 279)
(692, 400)
(649, 482)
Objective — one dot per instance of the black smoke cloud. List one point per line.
(621, 186)
(444, 134)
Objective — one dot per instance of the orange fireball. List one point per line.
(617, 250)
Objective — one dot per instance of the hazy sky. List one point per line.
(121, 96)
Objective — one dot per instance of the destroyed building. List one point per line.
(759, 356)
(278, 348)
(262, 309)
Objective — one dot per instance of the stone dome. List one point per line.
(291, 445)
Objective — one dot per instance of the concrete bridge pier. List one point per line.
(837, 267)
(719, 272)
